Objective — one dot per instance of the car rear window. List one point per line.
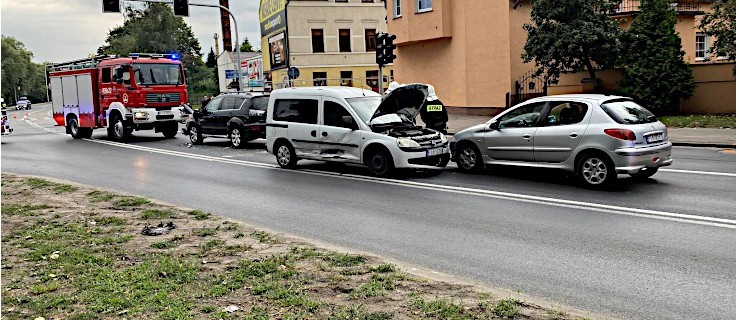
(628, 112)
(259, 103)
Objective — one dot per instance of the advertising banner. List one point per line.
(278, 53)
(272, 16)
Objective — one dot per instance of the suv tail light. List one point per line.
(622, 134)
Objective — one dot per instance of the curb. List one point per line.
(704, 145)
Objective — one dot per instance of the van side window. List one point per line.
(332, 113)
(296, 110)
(105, 75)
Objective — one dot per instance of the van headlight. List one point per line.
(407, 143)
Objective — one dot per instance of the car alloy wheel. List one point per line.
(194, 135)
(283, 155)
(236, 137)
(594, 171)
(468, 159)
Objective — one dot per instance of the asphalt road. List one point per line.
(660, 249)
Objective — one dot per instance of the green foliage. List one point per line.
(19, 71)
(570, 36)
(720, 22)
(211, 61)
(656, 75)
(246, 46)
(156, 29)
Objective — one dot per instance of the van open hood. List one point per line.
(406, 101)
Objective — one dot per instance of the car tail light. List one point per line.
(255, 128)
(622, 134)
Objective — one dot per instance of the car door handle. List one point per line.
(527, 136)
(573, 135)
(313, 133)
(325, 134)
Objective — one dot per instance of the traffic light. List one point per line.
(112, 6)
(385, 48)
(181, 7)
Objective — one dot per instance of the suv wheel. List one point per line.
(380, 163)
(285, 154)
(237, 137)
(596, 171)
(469, 158)
(196, 137)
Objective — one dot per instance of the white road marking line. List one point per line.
(710, 173)
(654, 214)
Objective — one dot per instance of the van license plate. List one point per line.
(434, 152)
(165, 113)
(657, 137)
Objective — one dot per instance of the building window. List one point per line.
(345, 40)
(346, 79)
(342, 0)
(372, 79)
(396, 9)
(423, 5)
(368, 1)
(319, 79)
(370, 41)
(317, 39)
(702, 45)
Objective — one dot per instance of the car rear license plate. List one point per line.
(657, 137)
(434, 152)
(165, 112)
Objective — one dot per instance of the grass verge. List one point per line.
(700, 121)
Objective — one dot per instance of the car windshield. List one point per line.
(157, 73)
(628, 112)
(364, 106)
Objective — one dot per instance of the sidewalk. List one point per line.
(693, 137)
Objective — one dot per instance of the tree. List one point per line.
(211, 61)
(571, 35)
(655, 73)
(246, 46)
(155, 29)
(720, 23)
(19, 71)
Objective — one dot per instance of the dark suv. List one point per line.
(239, 117)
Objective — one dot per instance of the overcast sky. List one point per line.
(61, 30)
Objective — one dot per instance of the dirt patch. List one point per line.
(70, 251)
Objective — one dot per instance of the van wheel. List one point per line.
(117, 129)
(596, 171)
(236, 136)
(285, 154)
(380, 163)
(644, 173)
(196, 137)
(469, 159)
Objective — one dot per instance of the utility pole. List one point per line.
(218, 50)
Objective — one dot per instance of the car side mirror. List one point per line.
(495, 125)
(348, 122)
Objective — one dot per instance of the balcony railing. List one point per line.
(632, 6)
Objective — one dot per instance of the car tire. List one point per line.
(644, 173)
(73, 126)
(469, 158)
(285, 155)
(117, 130)
(196, 136)
(596, 171)
(380, 163)
(236, 137)
(170, 130)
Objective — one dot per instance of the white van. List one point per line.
(353, 125)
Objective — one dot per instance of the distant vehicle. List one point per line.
(23, 104)
(5, 128)
(142, 92)
(239, 117)
(352, 125)
(594, 136)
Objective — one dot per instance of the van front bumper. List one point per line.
(632, 160)
(419, 159)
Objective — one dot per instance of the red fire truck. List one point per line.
(140, 92)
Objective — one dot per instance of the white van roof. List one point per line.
(336, 92)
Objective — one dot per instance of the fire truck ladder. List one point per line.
(86, 63)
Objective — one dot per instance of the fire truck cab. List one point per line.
(122, 94)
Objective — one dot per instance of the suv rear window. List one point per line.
(296, 110)
(628, 112)
(259, 103)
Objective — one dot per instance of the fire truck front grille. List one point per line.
(162, 97)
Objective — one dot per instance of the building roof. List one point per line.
(244, 55)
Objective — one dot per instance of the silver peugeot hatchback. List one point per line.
(594, 136)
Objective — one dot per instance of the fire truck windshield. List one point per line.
(157, 74)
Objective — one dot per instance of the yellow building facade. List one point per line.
(330, 42)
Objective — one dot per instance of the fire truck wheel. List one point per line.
(73, 126)
(117, 129)
(169, 130)
(86, 133)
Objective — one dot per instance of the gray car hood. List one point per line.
(405, 100)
